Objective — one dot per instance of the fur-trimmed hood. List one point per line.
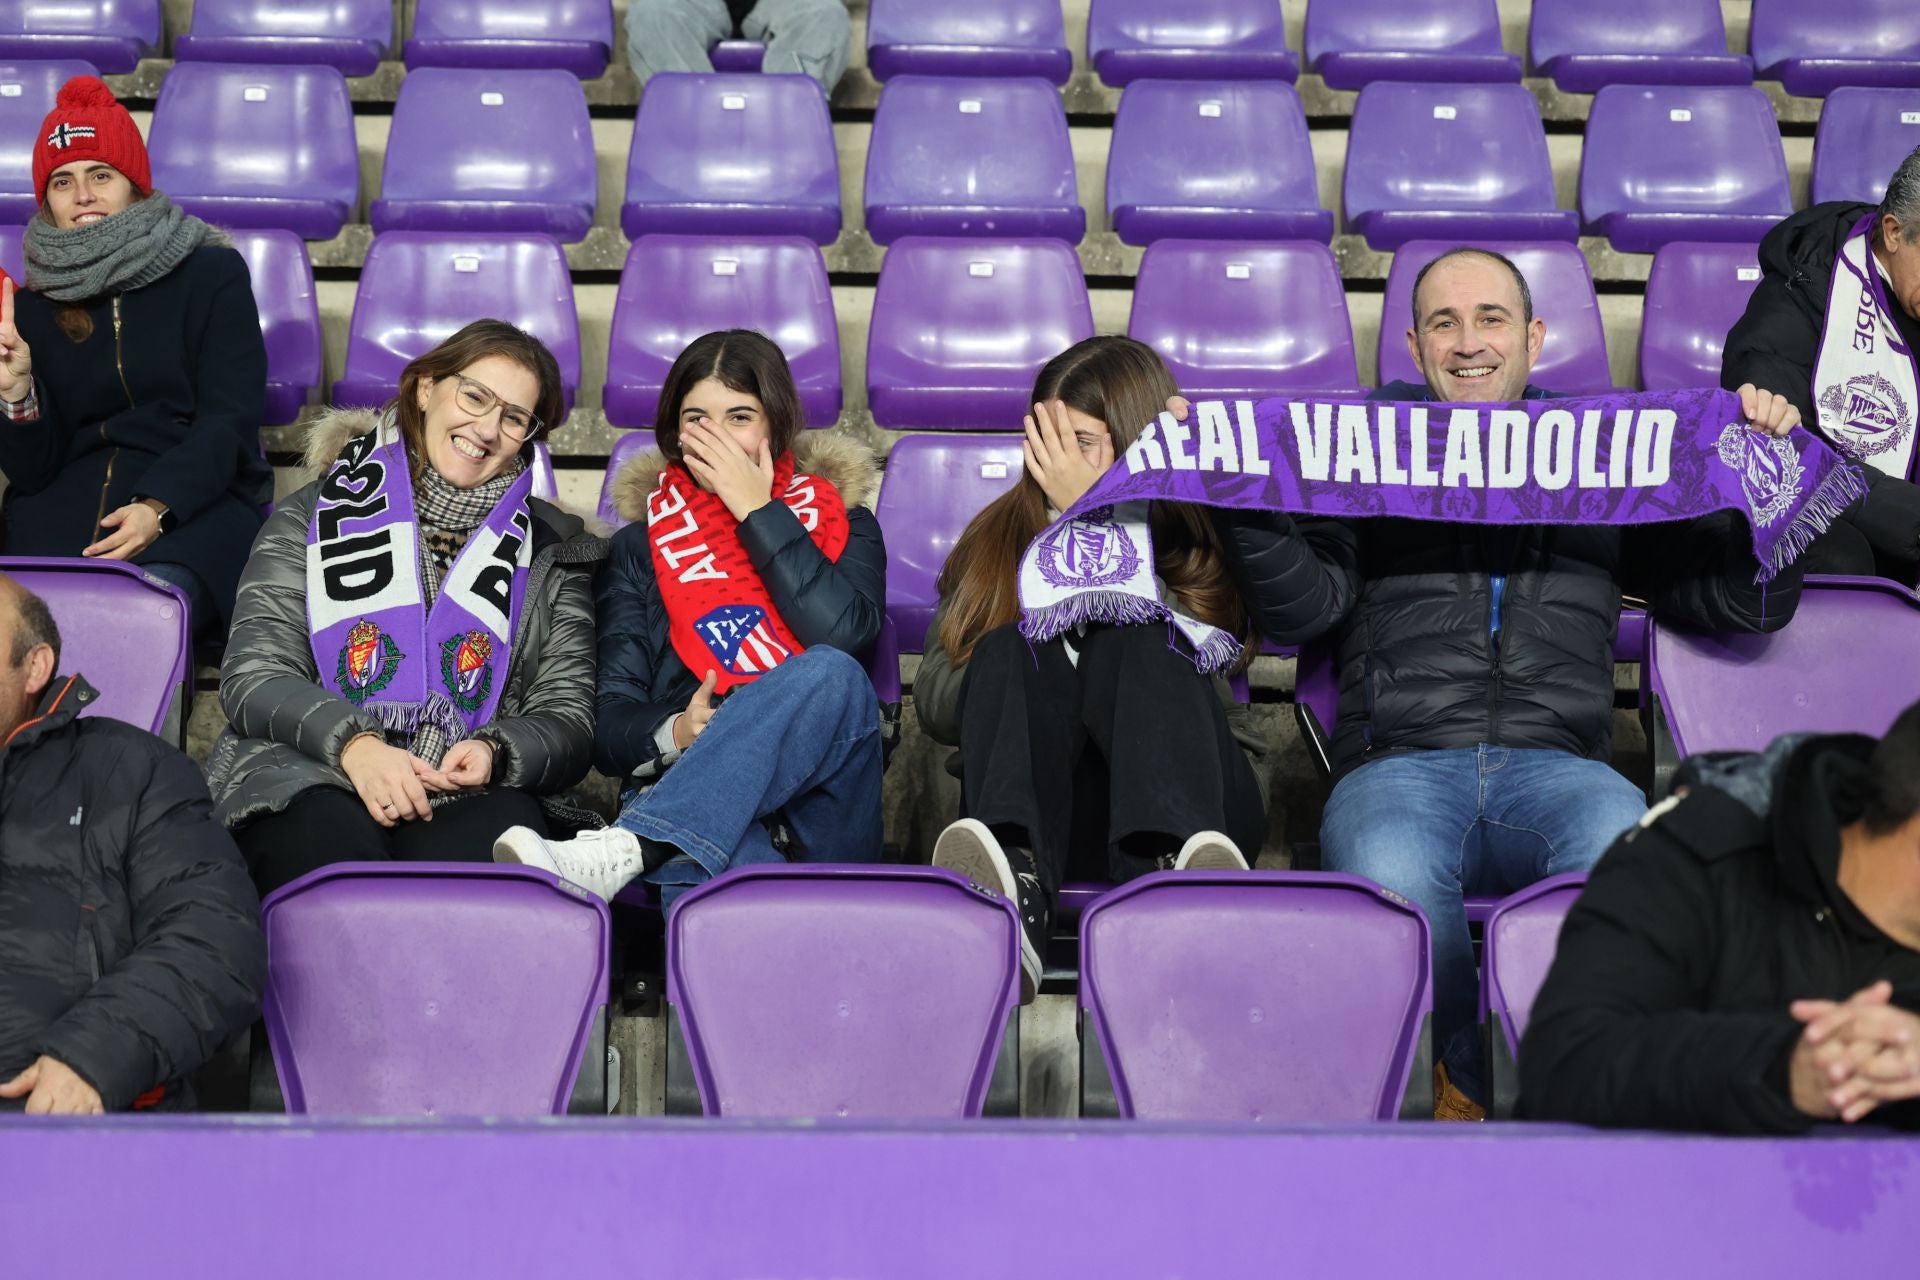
(329, 435)
(840, 460)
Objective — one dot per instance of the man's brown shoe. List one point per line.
(1449, 1103)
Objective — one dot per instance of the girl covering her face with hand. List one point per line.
(730, 699)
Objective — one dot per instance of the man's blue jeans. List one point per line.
(802, 741)
(1435, 825)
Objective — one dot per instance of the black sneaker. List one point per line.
(969, 848)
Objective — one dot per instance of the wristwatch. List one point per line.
(168, 521)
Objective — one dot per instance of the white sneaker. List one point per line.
(1210, 851)
(967, 847)
(601, 862)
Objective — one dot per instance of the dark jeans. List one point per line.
(325, 825)
(1128, 753)
(203, 615)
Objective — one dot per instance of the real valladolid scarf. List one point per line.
(1625, 459)
(374, 640)
(719, 613)
(1865, 387)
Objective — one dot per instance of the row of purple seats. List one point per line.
(353, 36)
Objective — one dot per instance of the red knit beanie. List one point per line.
(88, 123)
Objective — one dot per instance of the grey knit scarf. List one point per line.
(134, 247)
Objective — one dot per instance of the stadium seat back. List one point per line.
(418, 288)
(1516, 951)
(113, 35)
(626, 447)
(842, 992)
(126, 632)
(462, 989)
(1459, 162)
(488, 150)
(1584, 46)
(736, 155)
(1668, 163)
(575, 36)
(1813, 49)
(283, 290)
(933, 488)
(352, 36)
(957, 156)
(1130, 40)
(1863, 136)
(258, 146)
(1213, 159)
(1695, 294)
(960, 328)
(1574, 357)
(1257, 996)
(1353, 43)
(1246, 320)
(982, 38)
(27, 93)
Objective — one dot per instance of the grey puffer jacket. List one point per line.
(288, 730)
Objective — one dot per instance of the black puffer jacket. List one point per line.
(1666, 1006)
(1774, 345)
(130, 943)
(642, 681)
(160, 395)
(1409, 607)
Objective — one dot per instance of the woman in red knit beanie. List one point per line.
(131, 368)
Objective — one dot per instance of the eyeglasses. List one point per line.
(480, 401)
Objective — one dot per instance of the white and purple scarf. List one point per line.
(1620, 459)
(1865, 387)
(375, 642)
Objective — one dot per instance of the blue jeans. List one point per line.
(803, 742)
(807, 36)
(1434, 825)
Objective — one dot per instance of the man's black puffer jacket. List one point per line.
(130, 944)
(1409, 606)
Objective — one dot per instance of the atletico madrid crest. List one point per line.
(466, 667)
(368, 661)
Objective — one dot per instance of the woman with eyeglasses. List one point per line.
(411, 666)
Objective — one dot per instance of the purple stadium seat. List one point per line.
(1517, 949)
(626, 447)
(418, 288)
(1695, 293)
(125, 632)
(983, 38)
(1264, 996)
(113, 35)
(842, 993)
(932, 489)
(952, 156)
(488, 151)
(675, 288)
(1585, 46)
(747, 155)
(1245, 321)
(565, 35)
(1353, 43)
(289, 318)
(1813, 49)
(1464, 162)
(1213, 159)
(247, 146)
(960, 328)
(352, 36)
(1676, 163)
(1130, 40)
(1864, 134)
(27, 91)
(545, 484)
(1574, 357)
(462, 989)
(737, 56)
(13, 253)
(1738, 693)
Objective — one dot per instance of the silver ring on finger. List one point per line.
(389, 807)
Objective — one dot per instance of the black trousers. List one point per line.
(1104, 767)
(325, 825)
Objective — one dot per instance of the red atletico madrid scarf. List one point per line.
(718, 610)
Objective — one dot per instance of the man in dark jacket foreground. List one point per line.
(130, 944)
(1476, 662)
(1814, 318)
(1747, 958)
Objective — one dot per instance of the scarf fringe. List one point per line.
(1838, 490)
(1217, 652)
(1117, 608)
(394, 717)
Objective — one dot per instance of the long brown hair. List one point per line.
(464, 349)
(1123, 384)
(740, 360)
